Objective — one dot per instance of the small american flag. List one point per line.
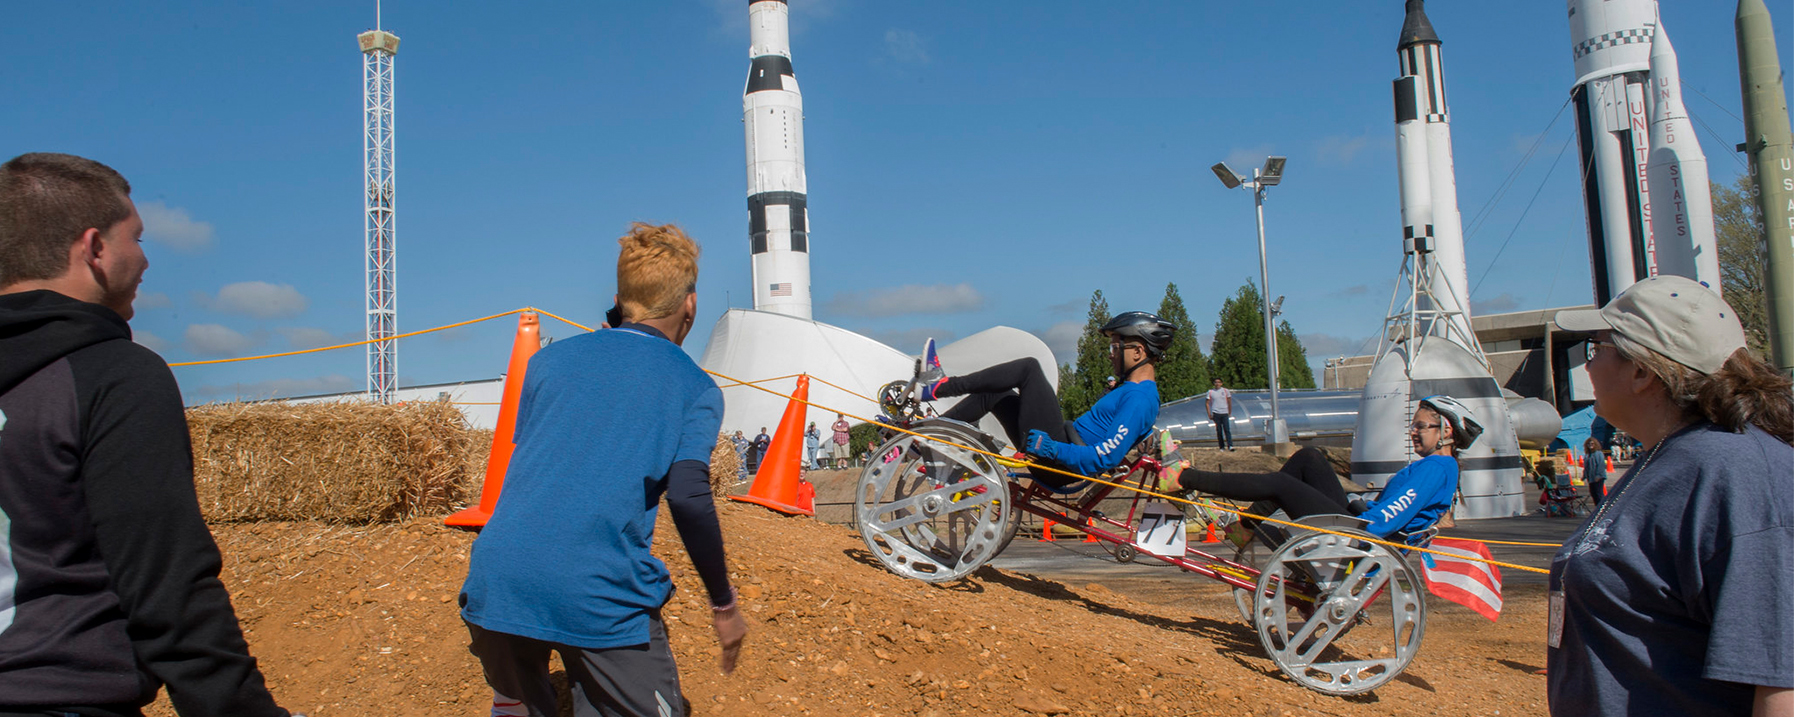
(781, 289)
(1462, 577)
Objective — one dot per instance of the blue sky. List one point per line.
(1011, 157)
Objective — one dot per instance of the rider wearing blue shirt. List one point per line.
(1018, 394)
(1413, 500)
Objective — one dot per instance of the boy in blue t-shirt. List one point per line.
(608, 422)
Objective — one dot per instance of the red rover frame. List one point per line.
(1338, 613)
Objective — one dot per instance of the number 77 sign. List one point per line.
(1161, 530)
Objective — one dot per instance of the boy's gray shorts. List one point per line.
(634, 681)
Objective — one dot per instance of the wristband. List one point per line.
(734, 597)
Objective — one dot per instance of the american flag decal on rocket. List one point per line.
(783, 289)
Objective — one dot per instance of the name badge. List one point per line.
(1554, 628)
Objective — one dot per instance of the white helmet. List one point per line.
(1464, 428)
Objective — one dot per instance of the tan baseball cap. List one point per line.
(1675, 316)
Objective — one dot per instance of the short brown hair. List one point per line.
(656, 269)
(47, 201)
(1742, 392)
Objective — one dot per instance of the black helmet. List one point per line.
(1147, 328)
(1464, 428)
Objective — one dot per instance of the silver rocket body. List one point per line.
(1428, 347)
(1611, 44)
(1425, 171)
(1681, 201)
(772, 110)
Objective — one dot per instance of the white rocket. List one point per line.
(1611, 44)
(778, 219)
(1681, 202)
(1428, 180)
(1428, 347)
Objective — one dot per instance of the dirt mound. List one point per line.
(363, 621)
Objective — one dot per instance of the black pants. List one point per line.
(1223, 429)
(1016, 392)
(1306, 485)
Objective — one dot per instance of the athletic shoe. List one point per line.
(931, 375)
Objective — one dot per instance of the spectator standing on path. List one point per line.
(757, 450)
(1595, 471)
(599, 411)
(1220, 411)
(812, 444)
(741, 450)
(842, 431)
(1675, 596)
(109, 582)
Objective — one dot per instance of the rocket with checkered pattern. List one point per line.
(1610, 41)
(1424, 167)
(778, 219)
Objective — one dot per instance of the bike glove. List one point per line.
(1038, 444)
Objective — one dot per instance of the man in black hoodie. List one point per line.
(108, 576)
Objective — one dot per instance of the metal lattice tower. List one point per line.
(377, 50)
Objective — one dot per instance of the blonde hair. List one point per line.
(656, 270)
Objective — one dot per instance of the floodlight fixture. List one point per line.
(1273, 171)
(1227, 175)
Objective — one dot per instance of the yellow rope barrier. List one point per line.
(1003, 460)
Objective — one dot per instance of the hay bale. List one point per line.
(347, 462)
(724, 464)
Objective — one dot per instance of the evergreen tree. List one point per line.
(1081, 389)
(1292, 360)
(1738, 224)
(1238, 353)
(1183, 371)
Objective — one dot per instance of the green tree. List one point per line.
(1738, 226)
(1292, 360)
(1080, 389)
(1238, 353)
(1183, 371)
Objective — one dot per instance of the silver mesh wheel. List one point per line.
(1358, 584)
(931, 511)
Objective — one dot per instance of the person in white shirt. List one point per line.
(1220, 411)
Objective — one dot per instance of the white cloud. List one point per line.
(216, 340)
(1340, 149)
(907, 299)
(173, 227)
(1499, 304)
(1062, 339)
(1321, 347)
(906, 47)
(305, 337)
(151, 341)
(280, 387)
(1243, 160)
(258, 299)
(147, 300)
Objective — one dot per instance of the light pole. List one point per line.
(1263, 178)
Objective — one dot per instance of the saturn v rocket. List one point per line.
(778, 218)
(1644, 178)
(1428, 347)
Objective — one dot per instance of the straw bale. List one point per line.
(724, 464)
(349, 462)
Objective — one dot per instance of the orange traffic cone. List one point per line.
(522, 348)
(1046, 533)
(776, 485)
(1089, 537)
(1610, 464)
(1211, 537)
